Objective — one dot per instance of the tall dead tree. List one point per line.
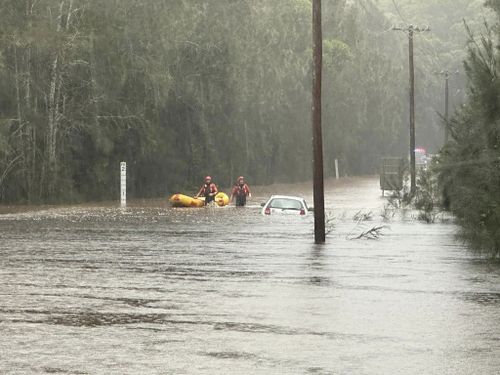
(54, 98)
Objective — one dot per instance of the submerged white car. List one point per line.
(285, 204)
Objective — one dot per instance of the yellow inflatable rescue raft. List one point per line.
(181, 200)
(222, 199)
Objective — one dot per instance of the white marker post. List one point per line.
(123, 184)
(337, 169)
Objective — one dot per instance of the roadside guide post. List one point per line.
(123, 184)
(318, 181)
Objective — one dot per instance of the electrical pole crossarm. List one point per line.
(411, 28)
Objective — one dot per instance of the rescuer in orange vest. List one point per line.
(208, 190)
(241, 191)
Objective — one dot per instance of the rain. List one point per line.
(249, 187)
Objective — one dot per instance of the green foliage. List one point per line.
(179, 89)
(427, 199)
(469, 163)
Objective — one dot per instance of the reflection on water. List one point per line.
(156, 290)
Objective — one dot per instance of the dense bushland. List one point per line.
(180, 89)
(469, 165)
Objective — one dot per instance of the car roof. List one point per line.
(287, 197)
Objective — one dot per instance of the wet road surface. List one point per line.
(156, 290)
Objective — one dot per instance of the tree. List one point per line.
(469, 170)
(181, 89)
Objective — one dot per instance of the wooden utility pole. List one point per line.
(413, 179)
(318, 181)
(446, 74)
(410, 30)
(446, 92)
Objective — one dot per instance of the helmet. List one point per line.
(208, 178)
(240, 178)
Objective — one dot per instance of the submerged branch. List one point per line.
(371, 234)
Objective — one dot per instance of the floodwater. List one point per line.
(156, 290)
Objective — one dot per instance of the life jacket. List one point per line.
(240, 190)
(209, 188)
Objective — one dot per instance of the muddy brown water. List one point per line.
(156, 290)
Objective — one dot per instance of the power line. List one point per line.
(399, 12)
(466, 163)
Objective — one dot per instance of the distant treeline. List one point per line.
(180, 89)
(469, 165)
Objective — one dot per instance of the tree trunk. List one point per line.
(52, 131)
(55, 94)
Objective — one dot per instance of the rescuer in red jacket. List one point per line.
(240, 191)
(208, 190)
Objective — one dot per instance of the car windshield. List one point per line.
(286, 204)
